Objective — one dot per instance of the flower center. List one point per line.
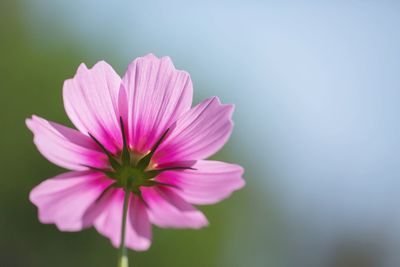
(131, 171)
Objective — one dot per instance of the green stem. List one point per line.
(123, 257)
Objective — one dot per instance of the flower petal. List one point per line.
(64, 146)
(198, 134)
(138, 227)
(155, 95)
(64, 199)
(167, 209)
(91, 102)
(209, 182)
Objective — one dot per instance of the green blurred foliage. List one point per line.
(31, 77)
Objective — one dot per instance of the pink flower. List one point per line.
(136, 134)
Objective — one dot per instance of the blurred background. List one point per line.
(317, 92)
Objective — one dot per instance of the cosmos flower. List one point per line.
(139, 142)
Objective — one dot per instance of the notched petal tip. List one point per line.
(165, 59)
(81, 67)
(34, 123)
(29, 124)
(149, 55)
(217, 100)
(31, 121)
(229, 107)
(153, 57)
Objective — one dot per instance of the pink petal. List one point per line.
(64, 199)
(209, 183)
(64, 146)
(167, 209)
(108, 223)
(155, 95)
(138, 227)
(91, 102)
(198, 134)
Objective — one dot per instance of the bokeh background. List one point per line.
(317, 92)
